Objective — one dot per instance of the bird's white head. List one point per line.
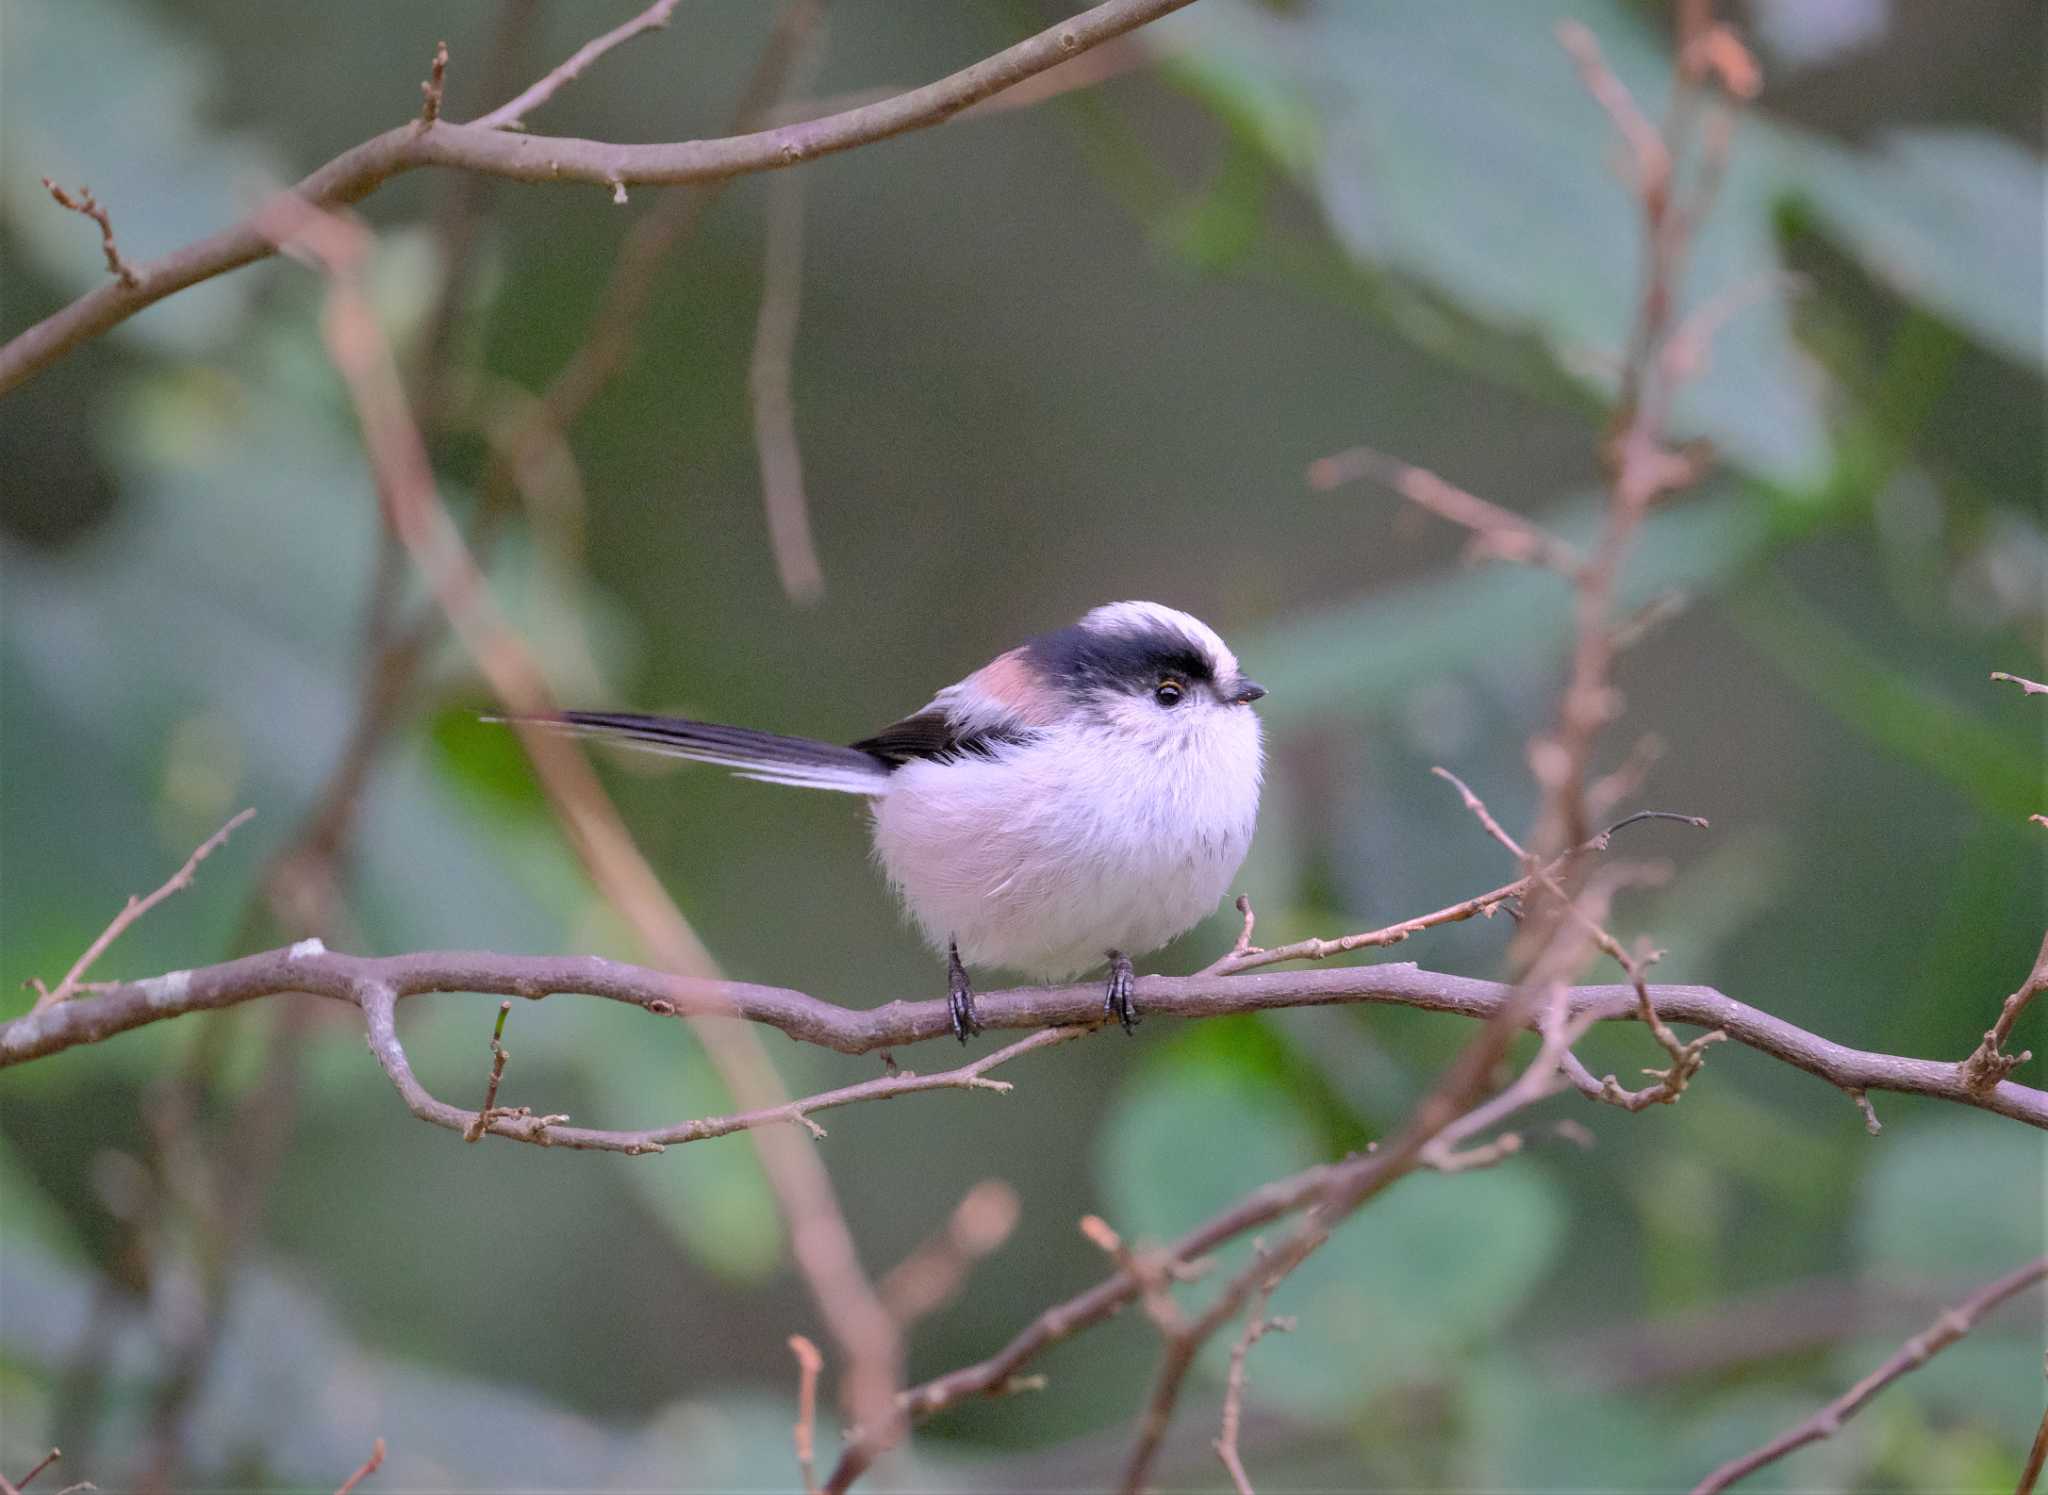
(1160, 675)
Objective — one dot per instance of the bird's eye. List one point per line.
(1168, 693)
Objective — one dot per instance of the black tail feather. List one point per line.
(800, 761)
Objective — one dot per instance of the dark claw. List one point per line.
(959, 996)
(1117, 999)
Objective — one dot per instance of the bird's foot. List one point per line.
(1117, 998)
(960, 996)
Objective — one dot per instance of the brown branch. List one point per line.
(1990, 1063)
(1451, 1113)
(47, 1460)
(933, 1275)
(821, 1241)
(808, 1364)
(135, 908)
(368, 1467)
(1916, 1352)
(511, 115)
(436, 85)
(120, 1007)
(2037, 1456)
(769, 381)
(87, 206)
(1244, 956)
(1497, 532)
(474, 1132)
(480, 147)
(1256, 1327)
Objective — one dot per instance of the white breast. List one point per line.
(1087, 839)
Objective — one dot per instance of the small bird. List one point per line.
(1081, 798)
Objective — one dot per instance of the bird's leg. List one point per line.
(959, 995)
(1116, 999)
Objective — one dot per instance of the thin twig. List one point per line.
(511, 115)
(821, 1240)
(1256, 1327)
(2030, 687)
(1916, 1352)
(135, 909)
(1498, 533)
(368, 1467)
(1244, 956)
(87, 206)
(769, 381)
(475, 1131)
(933, 1274)
(2036, 1457)
(436, 85)
(47, 1460)
(808, 1364)
(1989, 1063)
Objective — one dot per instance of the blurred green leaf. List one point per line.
(1355, 655)
(1868, 692)
(712, 1196)
(1536, 1430)
(1455, 146)
(1955, 1202)
(1432, 1266)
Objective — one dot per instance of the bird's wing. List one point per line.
(941, 736)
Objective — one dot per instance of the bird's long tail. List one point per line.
(766, 756)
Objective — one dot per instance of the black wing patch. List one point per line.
(935, 736)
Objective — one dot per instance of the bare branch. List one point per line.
(1244, 956)
(2030, 687)
(86, 206)
(1916, 1352)
(808, 1364)
(1990, 1063)
(1256, 1327)
(474, 1132)
(47, 1460)
(932, 1275)
(136, 907)
(1497, 532)
(436, 85)
(119, 1007)
(511, 115)
(2037, 1456)
(769, 381)
(369, 1467)
(481, 147)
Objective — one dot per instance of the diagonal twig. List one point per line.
(1914, 1353)
(135, 909)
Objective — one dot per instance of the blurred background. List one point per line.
(1047, 357)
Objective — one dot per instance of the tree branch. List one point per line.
(120, 1007)
(1914, 1353)
(480, 147)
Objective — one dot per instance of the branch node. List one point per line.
(432, 90)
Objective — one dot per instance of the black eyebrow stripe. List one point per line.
(1080, 658)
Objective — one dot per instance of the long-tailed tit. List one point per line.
(1086, 796)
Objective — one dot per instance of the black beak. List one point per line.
(1248, 691)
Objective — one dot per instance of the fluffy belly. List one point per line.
(1045, 876)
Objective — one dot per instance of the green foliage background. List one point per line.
(1047, 359)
